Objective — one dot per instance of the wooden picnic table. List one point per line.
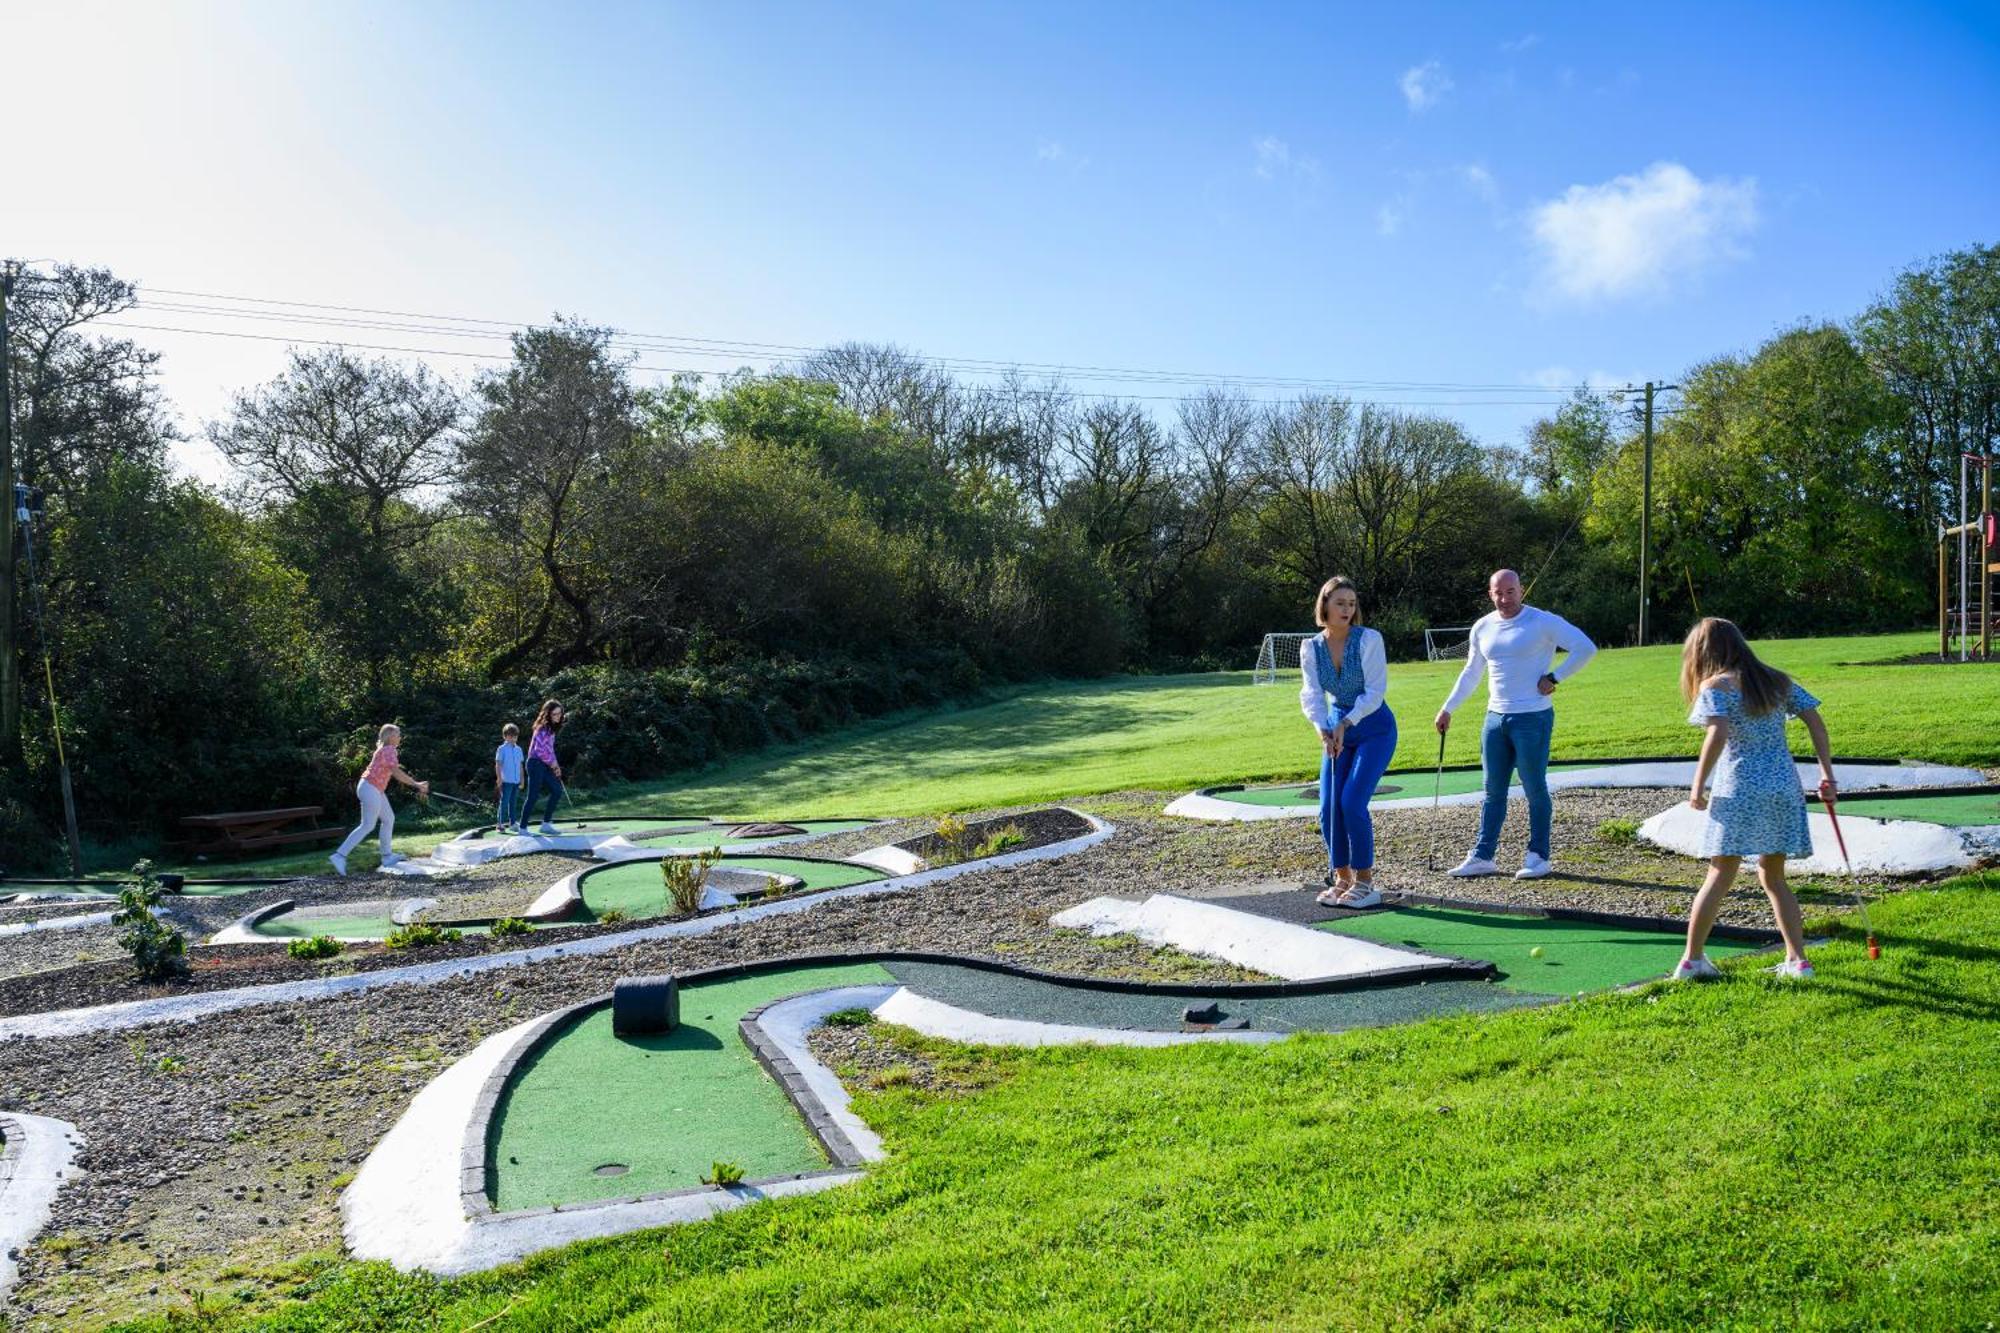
(239, 831)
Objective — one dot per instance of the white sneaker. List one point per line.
(1696, 969)
(1534, 866)
(339, 864)
(1472, 867)
(548, 828)
(1793, 971)
(393, 858)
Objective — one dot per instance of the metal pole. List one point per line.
(1646, 517)
(1985, 559)
(55, 714)
(1944, 600)
(1964, 495)
(10, 665)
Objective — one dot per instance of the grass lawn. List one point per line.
(1181, 732)
(1744, 1153)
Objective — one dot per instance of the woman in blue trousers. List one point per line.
(1346, 671)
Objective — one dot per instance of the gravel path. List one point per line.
(220, 1147)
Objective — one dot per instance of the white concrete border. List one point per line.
(1674, 773)
(34, 1163)
(78, 922)
(934, 1018)
(891, 858)
(191, 1008)
(787, 1023)
(1280, 948)
(1879, 846)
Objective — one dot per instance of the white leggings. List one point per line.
(375, 809)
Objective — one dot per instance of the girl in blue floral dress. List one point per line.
(1757, 807)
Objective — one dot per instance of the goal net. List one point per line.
(1278, 655)
(1449, 641)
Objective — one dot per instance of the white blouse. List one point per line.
(1313, 701)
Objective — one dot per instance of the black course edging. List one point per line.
(1227, 787)
(1584, 915)
(840, 1149)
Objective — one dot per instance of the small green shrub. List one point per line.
(685, 877)
(510, 925)
(955, 839)
(420, 935)
(1000, 840)
(613, 916)
(170, 1064)
(157, 950)
(1619, 830)
(849, 1018)
(723, 1174)
(319, 946)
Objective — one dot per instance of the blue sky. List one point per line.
(1464, 195)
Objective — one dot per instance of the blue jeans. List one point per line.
(1516, 742)
(542, 781)
(510, 802)
(1348, 783)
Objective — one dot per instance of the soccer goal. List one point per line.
(1449, 641)
(1279, 653)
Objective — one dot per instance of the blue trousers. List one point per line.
(542, 781)
(510, 803)
(1348, 783)
(1511, 743)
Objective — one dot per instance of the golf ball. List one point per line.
(1535, 952)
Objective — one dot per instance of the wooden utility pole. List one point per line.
(1646, 508)
(10, 662)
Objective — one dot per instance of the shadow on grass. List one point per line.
(1878, 986)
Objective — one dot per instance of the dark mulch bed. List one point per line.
(1038, 827)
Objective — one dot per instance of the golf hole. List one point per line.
(611, 1169)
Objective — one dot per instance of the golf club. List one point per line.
(1874, 949)
(457, 800)
(1437, 787)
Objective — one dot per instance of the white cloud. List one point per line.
(1480, 181)
(1277, 161)
(1562, 377)
(1425, 85)
(1059, 154)
(1633, 235)
(1524, 43)
(1389, 217)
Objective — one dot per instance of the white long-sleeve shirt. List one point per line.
(1313, 699)
(1515, 655)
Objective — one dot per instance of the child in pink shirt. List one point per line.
(373, 793)
(544, 772)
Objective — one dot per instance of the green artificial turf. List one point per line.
(1395, 787)
(1177, 733)
(299, 925)
(635, 887)
(1967, 811)
(717, 834)
(1745, 1154)
(1576, 955)
(666, 1107)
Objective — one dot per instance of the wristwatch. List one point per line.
(1550, 677)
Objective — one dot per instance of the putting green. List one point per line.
(1576, 955)
(1967, 810)
(719, 833)
(665, 1108)
(1395, 787)
(298, 925)
(618, 824)
(635, 888)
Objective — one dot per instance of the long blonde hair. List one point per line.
(1714, 646)
(1326, 592)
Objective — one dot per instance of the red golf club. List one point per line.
(1874, 949)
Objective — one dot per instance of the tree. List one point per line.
(554, 432)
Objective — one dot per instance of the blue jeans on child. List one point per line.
(1348, 783)
(542, 780)
(510, 802)
(1516, 742)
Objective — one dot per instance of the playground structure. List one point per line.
(1965, 600)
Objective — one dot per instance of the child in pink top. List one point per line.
(544, 772)
(373, 793)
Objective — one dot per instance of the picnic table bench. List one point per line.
(240, 831)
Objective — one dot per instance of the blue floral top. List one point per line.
(1347, 682)
(1757, 804)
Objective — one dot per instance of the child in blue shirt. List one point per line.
(507, 762)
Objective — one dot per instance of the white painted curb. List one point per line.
(934, 1018)
(34, 1163)
(191, 1008)
(891, 858)
(1880, 846)
(1280, 948)
(58, 923)
(1676, 773)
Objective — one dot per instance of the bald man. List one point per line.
(1516, 647)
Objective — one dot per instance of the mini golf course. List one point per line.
(1536, 955)
(590, 1116)
(634, 887)
(1402, 785)
(1953, 809)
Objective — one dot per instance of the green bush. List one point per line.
(419, 935)
(510, 925)
(685, 877)
(157, 950)
(319, 946)
(613, 916)
(849, 1018)
(723, 1174)
(1619, 830)
(1000, 840)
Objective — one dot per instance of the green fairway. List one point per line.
(716, 834)
(1745, 1154)
(635, 887)
(1576, 955)
(666, 1108)
(1177, 733)
(1395, 787)
(355, 926)
(1970, 810)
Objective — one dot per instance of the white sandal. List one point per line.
(1362, 895)
(1333, 896)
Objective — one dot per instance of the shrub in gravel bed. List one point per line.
(510, 925)
(419, 936)
(685, 877)
(319, 946)
(1619, 830)
(157, 950)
